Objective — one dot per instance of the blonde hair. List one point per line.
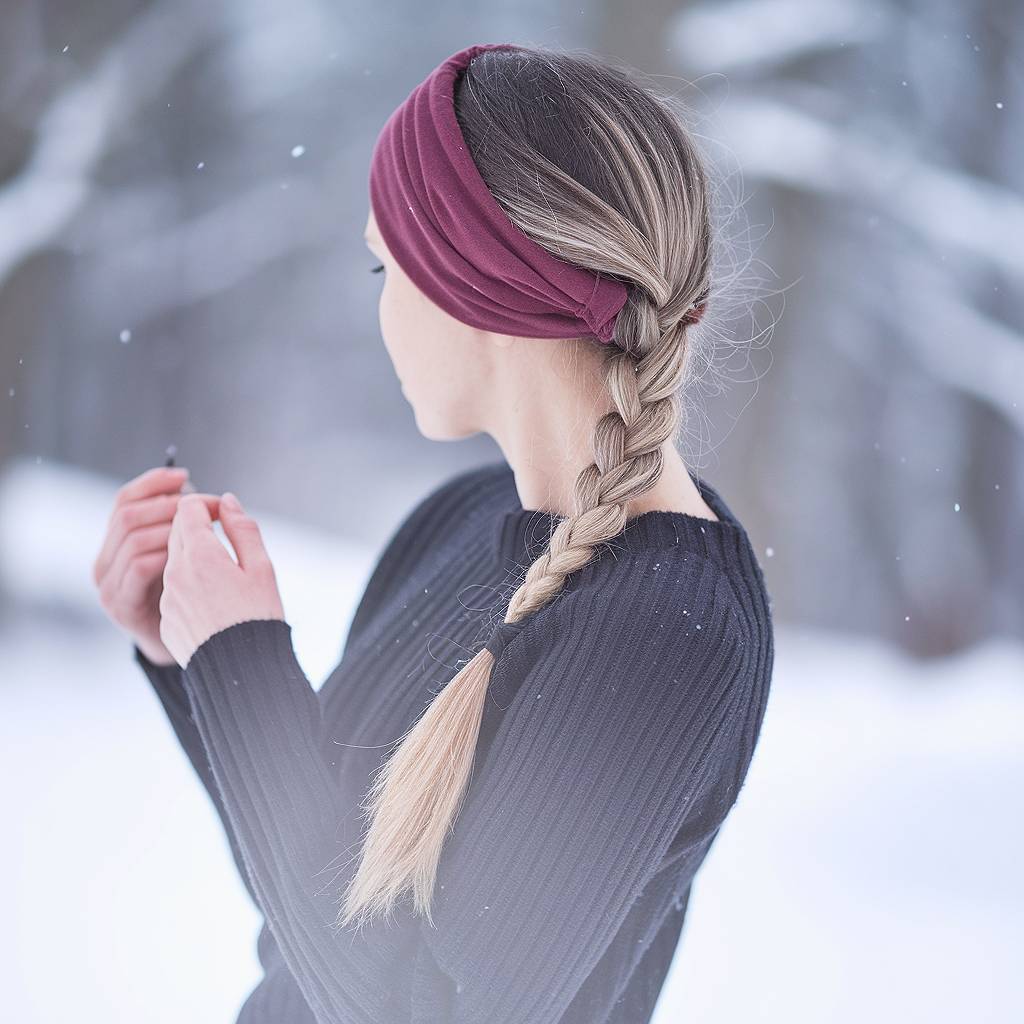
(609, 178)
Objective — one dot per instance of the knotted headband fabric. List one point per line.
(450, 236)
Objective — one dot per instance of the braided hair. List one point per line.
(601, 170)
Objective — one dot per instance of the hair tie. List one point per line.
(453, 240)
(695, 312)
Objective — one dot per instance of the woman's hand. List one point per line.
(205, 591)
(129, 568)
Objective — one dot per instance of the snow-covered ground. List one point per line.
(870, 871)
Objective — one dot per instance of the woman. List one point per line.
(553, 685)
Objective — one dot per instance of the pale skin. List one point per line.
(165, 577)
(539, 398)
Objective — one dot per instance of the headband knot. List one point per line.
(450, 236)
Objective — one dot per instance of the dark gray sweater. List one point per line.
(620, 722)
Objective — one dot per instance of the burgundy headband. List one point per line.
(447, 232)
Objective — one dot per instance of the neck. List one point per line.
(543, 419)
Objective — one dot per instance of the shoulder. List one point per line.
(432, 519)
(660, 634)
(662, 631)
(655, 598)
(658, 678)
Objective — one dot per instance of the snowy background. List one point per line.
(871, 869)
(182, 194)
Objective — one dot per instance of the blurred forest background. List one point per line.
(183, 188)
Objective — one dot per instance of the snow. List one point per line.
(870, 870)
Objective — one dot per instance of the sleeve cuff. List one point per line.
(151, 666)
(247, 678)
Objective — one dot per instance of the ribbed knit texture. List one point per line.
(620, 722)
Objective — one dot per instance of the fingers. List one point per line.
(131, 516)
(176, 540)
(134, 515)
(244, 534)
(134, 588)
(158, 480)
(133, 557)
(192, 521)
(196, 514)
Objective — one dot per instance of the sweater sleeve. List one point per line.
(601, 759)
(169, 688)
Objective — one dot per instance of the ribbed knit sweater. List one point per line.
(620, 722)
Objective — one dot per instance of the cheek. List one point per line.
(399, 330)
(384, 308)
(428, 349)
(388, 312)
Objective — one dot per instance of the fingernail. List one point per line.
(231, 501)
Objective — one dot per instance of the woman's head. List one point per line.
(602, 173)
(461, 380)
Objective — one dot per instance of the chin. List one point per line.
(438, 428)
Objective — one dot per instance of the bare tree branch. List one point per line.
(977, 216)
(75, 130)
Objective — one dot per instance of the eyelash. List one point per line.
(377, 269)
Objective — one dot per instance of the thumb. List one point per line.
(242, 531)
